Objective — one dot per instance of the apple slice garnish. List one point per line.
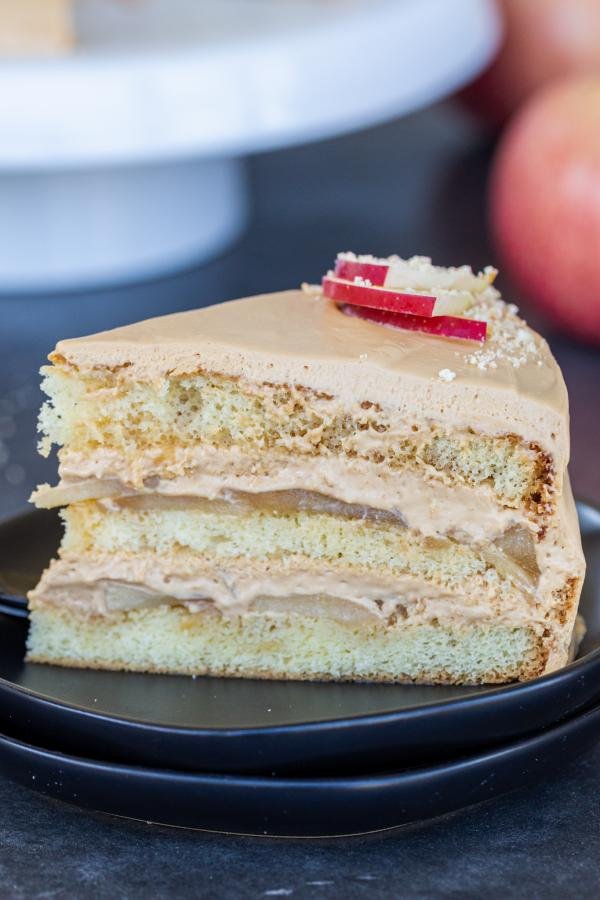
(358, 293)
(350, 269)
(377, 298)
(444, 326)
(415, 274)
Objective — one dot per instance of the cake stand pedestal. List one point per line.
(79, 226)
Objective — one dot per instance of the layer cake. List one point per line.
(273, 488)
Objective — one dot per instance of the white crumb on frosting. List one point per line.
(446, 375)
(508, 336)
(313, 290)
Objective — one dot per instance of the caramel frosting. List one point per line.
(510, 384)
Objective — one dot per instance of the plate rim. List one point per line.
(483, 698)
(491, 696)
(383, 800)
(538, 740)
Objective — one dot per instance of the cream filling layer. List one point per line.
(542, 566)
(101, 586)
(427, 503)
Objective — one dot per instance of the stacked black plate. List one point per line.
(272, 757)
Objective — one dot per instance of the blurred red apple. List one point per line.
(543, 39)
(545, 203)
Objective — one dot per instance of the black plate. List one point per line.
(223, 725)
(296, 807)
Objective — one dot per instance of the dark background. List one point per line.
(415, 186)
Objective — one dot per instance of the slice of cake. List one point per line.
(275, 488)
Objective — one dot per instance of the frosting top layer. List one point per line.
(510, 384)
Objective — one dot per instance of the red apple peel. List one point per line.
(351, 269)
(378, 298)
(444, 326)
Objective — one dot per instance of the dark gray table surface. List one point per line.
(416, 186)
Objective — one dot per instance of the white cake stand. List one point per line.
(123, 159)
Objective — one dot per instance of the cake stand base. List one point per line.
(94, 227)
